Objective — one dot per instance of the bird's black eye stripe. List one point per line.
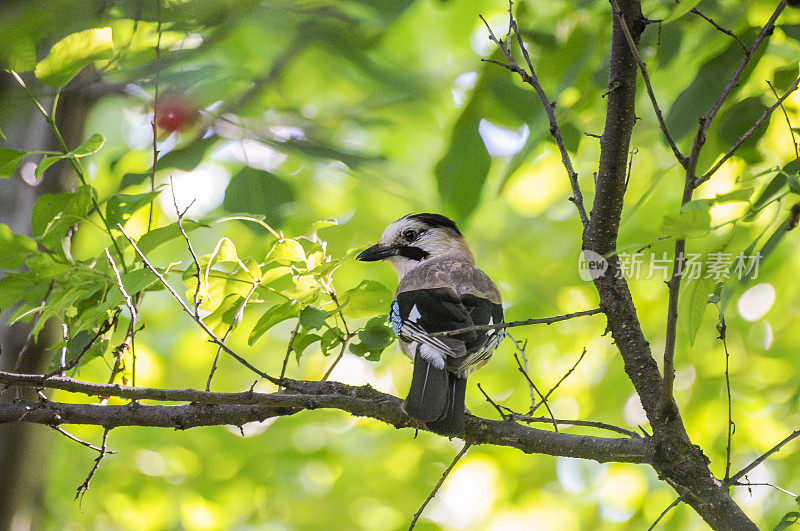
(412, 253)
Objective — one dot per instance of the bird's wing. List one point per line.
(482, 311)
(418, 313)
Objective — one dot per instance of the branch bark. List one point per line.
(211, 409)
(677, 460)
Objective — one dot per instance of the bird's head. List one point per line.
(415, 238)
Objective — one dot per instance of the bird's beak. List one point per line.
(376, 252)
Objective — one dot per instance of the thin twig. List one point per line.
(530, 382)
(747, 134)
(720, 28)
(566, 375)
(131, 308)
(87, 444)
(671, 506)
(526, 322)
(705, 122)
(189, 245)
(722, 328)
(764, 484)
(789, 125)
(65, 337)
(189, 311)
(760, 459)
(646, 77)
(575, 422)
(154, 123)
(83, 487)
(447, 471)
(503, 414)
(236, 319)
(289, 349)
(549, 107)
(105, 327)
(521, 349)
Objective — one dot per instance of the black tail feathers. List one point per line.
(436, 397)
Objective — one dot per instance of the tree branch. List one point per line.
(211, 409)
(646, 77)
(549, 107)
(677, 460)
(747, 134)
(526, 322)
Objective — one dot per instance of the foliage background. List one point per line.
(386, 106)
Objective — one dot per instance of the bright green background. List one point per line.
(381, 91)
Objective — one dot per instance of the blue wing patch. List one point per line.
(394, 318)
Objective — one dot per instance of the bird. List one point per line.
(439, 289)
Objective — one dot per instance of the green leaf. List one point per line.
(694, 218)
(273, 316)
(53, 214)
(14, 248)
(120, 207)
(225, 314)
(45, 163)
(311, 317)
(184, 159)
(286, 252)
(81, 341)
(788, 520)
(92, 145)
(767, 195)
(162, 235)
(462, 171)
(71, 54)
(366, 299)
(9, 160)
(740, 194)
(302, 342)
(681, 9)
(2, 135)
(259, 193)
(696, 99)
(783, 77)
(693, 299)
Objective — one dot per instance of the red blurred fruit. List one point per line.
(174, 112)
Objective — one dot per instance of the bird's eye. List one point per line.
(410, 235)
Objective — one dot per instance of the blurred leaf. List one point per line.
(92, 145)
(693, 299)
(461, 173)
(311, 317)
(286, 252)
(120, 207)
(9, 160)
(788, 520)
(681, 9)
(737, 119)
(303, 341)
(693, 218)
(45, 164)
(71, 54)
(259, 193)
(185, 158)
(791, 30)
(366, 299)
(14, 248)
(740, 194)
(696, 99)
(53, 214)
(273, 316)
(156, 237)
(225, 314)
(767, 195)
(784, 76)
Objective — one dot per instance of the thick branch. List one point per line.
(678, 461)
(209, 409)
